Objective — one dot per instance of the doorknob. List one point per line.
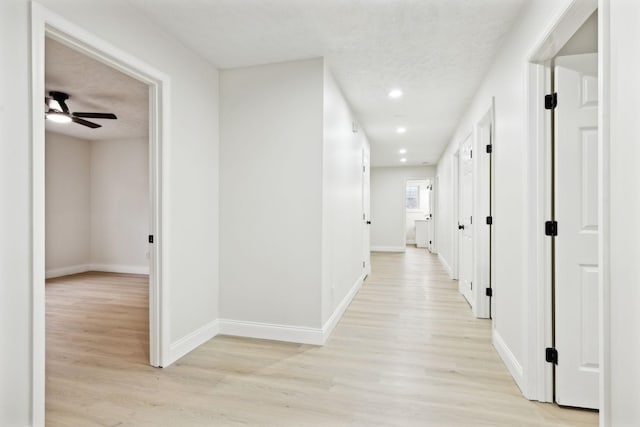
(368, 222)
(460, 227)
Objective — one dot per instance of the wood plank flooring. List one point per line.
(406, 353)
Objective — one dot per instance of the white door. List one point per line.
(576, 207)
(465, 221)
(366, 210)
(430, 221)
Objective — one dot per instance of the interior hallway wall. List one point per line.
(388, 212)
(506, 80)
(271, 193)
(342, 179)
(622, 250)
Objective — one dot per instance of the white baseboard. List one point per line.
(107, 268)
(509, 359)
(330, 324)
(191, 341)
(446, 265)
(114, 268)
(65, 271)
(269, 331)
(388, 248)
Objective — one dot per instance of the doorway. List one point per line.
(418, 215)
(574, 225)
(565, 205)
(465, 219)
(483, 249)
(46, 24)
(97, 211)
(366, 210)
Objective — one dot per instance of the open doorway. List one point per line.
(566, 283)
(418, 213)
(97, 213)
(47, 25)
(574, 226)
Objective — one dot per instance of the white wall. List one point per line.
(342, 224)
(287, 147)
(97, 205)
(192, 185)
(388, 213)
(623, 276)
(506, 80)
(120, 205)
(271, 193)
(67, 205)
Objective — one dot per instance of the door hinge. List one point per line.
(363, 264)
(363, 169)
(150, 238)
(471, 154)
(551, 355)
(489, 220)
(471, 220)
(488, 292)
(471, 285)
(489, 148)
(551, 101)
(551, 228)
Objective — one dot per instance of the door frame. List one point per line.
(538, 299)
(482, 177)
(455, 237)
(404, 207)
(45, 23)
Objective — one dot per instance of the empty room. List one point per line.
(319, 213)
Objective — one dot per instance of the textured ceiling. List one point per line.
(95, 87)
(437, 51)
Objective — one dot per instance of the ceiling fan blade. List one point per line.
(63, 105)
(96, 115)
(85, 123)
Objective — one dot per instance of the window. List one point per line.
(412, 199)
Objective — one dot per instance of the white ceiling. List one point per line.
(95, 87)
(436, 51)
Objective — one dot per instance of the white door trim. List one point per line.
(455, 243)
(481, 240)
(604, 49)
(46, 23)
(538, 384)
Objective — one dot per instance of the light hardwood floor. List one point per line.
(406, 353)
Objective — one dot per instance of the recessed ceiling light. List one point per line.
(403, 160)
(401, 129)
(402, 151)
(395, 93)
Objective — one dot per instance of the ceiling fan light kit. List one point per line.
(58, 111)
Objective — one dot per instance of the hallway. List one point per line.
(406, 353)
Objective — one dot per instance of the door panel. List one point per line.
(465, 221)
(366, 209)
(576, 201)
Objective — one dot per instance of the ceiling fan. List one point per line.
(58, 111)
